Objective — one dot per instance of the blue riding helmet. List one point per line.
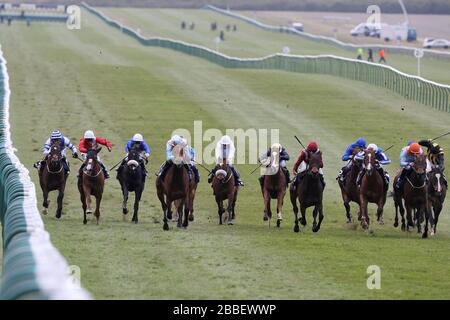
(410, 142)
(361, 142)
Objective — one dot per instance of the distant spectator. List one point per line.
(183, 25)
(359, 53)
(192, 26)
(222, 35)
(228, 27)
(214, 26)
(9, 21)
(382, 56)
(370, 52)
(234, 28)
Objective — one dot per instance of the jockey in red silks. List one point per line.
(302, 164)
(90, 141)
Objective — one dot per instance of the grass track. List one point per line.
(251, 41)
(98, 78)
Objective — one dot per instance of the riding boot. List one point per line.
(343, 173)
(163, 170)
(359, 178)
(66, 165)
(144, 171)
(286, 172)
(190, 172)
(211, 175)
(400, 182)
(196, 174)
(238, 181)
(105, 171)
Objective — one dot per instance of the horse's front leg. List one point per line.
(220, 209)
(320, 211)
(380, 217)
(87, 195)
(125, 194)
(409, 221)
(83, 203)
(45, 202)
(230, 208)
(137, 199)
(427, 212)
(60, 203)
(280, 199)
(364, 214)
(179, 210)
(293, 198)
(303, 212)
(437, 211)
(98, 200)
(187, 206)
(167, 213)
(266, 197)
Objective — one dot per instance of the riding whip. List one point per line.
(256, 168)
(202, 166)
(389, 148)
(442, 135)
(118, 163)
(299, 142)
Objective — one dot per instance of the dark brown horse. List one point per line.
(175, 186)
(372, 189)
(437, 191)
(309, 193)
(349, 188)
(274, 187)
(224, 189)
(91, 183)
(179, 208)
(415, 194)
(52, 177)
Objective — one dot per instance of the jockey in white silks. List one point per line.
(224, 153)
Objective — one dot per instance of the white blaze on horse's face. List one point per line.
(89, 165)
(438, 177)
(369, 165)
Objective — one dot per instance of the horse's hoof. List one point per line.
(165, 226)
(395, 224)
(191, 218)
(265, 218)
(381, 222)
(230, 222)
(296, 228)
(279, 222)
(348, 220)
(88, 211)
(44, 211)
(432, 233)
(135, 221)
(403, 227)
(315, 229)
(125, 211)
(303, 221)
(58, 216)
(425, 235)
(84, 221)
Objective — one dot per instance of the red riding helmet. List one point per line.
(312, 146)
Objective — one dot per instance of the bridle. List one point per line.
(88, 168)
(61, 167)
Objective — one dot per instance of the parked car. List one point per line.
(436, 43)
(366, 30)
(297, 26)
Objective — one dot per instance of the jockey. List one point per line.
(139, 142)
(64, 142)
(301, 165)
(90, 141)
(174, 141)
(192, 162)
(407, 158)
(382, 159)
(358, 145)
(266, 159)
(435, 156)
(226, 144)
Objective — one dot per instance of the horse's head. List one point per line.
(315, 163)
(133, 159)
(92, 160)
(55, 153)
(420, 167)
(369, 161)
(436, 180)
(179, 155)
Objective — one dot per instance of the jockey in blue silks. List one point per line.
(174, 141)
(358, 145)
(382, 160)
(64, 142)
(136, 141)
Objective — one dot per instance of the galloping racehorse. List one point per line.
(437, 191)
(349, 189)
(372, 189)
(175, 186)
(274, 187)
(91, 183)
(52, 177)
(224, 189)
(132, 179)
(309, 193)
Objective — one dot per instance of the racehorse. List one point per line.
(175, 186)
(437, 191)
(415, 194)
(274, 187)
(91, 183)
(224, 189)
(372, 189)
(179, 209)
(349, 189)
(309, 193)
(132, 179)
(53, 177)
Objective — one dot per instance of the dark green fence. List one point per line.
(410, 87)
(32, 267)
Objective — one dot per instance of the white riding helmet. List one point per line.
(138, 137)
(184, 141)
(373, 146)
(225, 140)
(277, 146)
(89, 134)
(176, 139)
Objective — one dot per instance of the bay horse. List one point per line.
(372, 189)
(175, 186)
(349, 188)
(437, 191)
(309, 192)
(52, 176)
(415, 194)
(91, 183)
(132, 179)
(274, 187)
(224, 188)
(179, 208)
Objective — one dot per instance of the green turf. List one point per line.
(250, 41)
(98, 78)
